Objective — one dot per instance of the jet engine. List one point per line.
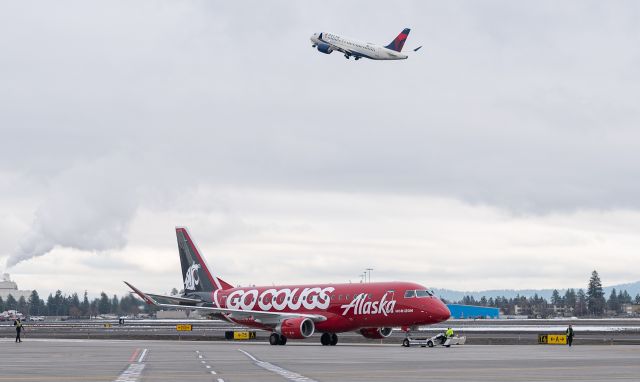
(296, 328)
(325, 48)
(376, 333)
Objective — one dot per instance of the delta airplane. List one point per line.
(328, 42)
(297, 311)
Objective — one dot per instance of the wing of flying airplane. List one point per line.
(266, 318)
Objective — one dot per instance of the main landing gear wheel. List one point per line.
(325, 339)
(405, 342)
(277, 339)
(274, 339)
(334, 339)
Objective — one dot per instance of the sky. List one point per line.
(503, 154)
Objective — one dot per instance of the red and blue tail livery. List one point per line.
(328, 42)
(298, 311)
(398, 42)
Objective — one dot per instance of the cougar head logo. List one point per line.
(191, 278)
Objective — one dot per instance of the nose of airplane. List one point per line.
(441, 311)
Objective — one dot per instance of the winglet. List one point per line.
(418, 48)
(142, 295)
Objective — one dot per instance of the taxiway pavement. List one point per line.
(131, 361)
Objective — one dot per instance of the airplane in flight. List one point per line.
(297, 311)
(328, 42)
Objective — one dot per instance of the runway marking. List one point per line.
(220, 380)
(142, 355)
(290, 375)
(134, 355)
(132, 373)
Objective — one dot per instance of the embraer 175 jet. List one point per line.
(328, 42)
(297, 311)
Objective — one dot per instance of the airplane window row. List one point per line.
(417, 293)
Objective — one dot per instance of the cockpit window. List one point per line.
(410, 294)
(423, 293)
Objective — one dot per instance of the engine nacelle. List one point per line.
(296, 328)
(325, 48)
(376, 333)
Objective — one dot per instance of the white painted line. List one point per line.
(213, 372)
(132, 373)
(290, 375)
(208, 367)
(254, 359)
(199, 356)
(220, 380)
(202, 362)
(144, 353)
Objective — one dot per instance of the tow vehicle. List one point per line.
(438, 340)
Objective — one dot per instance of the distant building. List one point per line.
(471, 311)
(8, 287)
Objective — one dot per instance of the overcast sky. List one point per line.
(504, 154)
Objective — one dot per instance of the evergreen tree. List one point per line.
(104, 306)
(11, 303)
(613, 303)
(570, 299)
(2, 309)
(34, 303)
(85, 306)
(58, 301)
(638, 298)
(51, 305)
(581, 303)
(595, 295)
(555, 298)
(115, 305)
(22, 305)
(624, 297)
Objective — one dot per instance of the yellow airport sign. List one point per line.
(557, 339)
(107, 325)
(183, 327)
(552, 339)
(245, 335)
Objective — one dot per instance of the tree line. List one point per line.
(582, 303)
(58, 304)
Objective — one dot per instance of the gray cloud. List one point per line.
(110, 107)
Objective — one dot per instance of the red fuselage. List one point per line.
(347, 307)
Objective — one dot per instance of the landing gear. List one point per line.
(277, 339)
(357, 58)
(329, 339)
(346, 56)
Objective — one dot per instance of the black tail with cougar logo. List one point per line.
(196, 275)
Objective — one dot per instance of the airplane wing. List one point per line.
(266, 318)
(174, 299)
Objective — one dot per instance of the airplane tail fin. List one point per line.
(398, 42)
(196, 275)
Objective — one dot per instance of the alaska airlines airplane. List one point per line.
(297, 311)
(328, 42)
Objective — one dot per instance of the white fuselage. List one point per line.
(356, 48)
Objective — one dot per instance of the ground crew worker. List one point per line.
(18, 326)
(569, 335)
(449, 333)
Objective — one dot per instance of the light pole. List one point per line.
(369, 271)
